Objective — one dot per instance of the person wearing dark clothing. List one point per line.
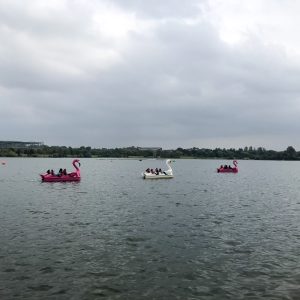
(60, 172)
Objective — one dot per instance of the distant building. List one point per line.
(153, 149)
(150, 148)
(20, 145)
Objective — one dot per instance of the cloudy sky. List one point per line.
(172, 73)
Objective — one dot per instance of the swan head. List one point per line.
(76, 161)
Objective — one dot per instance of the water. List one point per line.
(201, 235)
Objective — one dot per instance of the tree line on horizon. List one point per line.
(259, 153)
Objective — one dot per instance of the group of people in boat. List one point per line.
(228, 168)
(60, 173)
(155, 171)
(225, 167)
(63, 175)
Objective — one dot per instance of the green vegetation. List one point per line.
(61, 151)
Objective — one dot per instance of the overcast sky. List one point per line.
(172, 73)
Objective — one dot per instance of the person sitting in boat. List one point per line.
(225, 166)
(221, 167)
(52, 172)
(148, 170)
(64, 172)
(152, 172)
(229, 167)
(159, 171)
(60, 172)
(156, 171)
(48, 172)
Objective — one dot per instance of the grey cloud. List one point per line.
(176, 85)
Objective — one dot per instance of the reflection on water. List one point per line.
(201, 235)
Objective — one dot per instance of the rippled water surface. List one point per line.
(201, 235)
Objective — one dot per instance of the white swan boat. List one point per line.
(160, 175)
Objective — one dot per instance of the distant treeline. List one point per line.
(242, 153)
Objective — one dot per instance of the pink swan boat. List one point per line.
(229, 170)
(74, 176)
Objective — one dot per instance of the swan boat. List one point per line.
(74, 176)
(229, 170)
(161, 175)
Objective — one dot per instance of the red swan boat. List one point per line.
(74, 176)
(229, 170)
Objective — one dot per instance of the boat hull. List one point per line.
(233, 170)
(63, 178)
(159, 176)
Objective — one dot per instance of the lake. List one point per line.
(200, 235)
